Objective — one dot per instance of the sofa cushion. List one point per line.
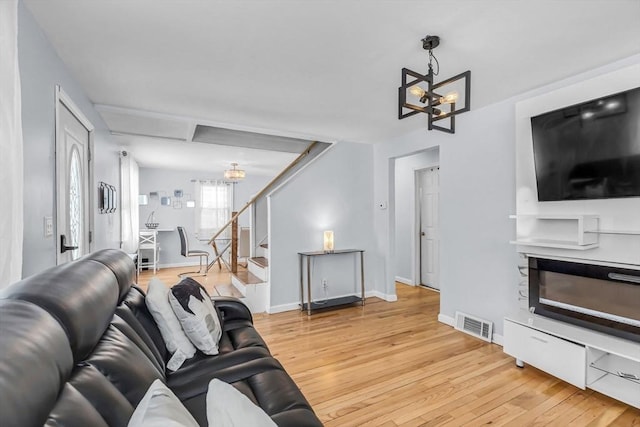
(73, 293)
(126, 366)
(35, 360)
(74, 410)
(264, 382)
(120, 264)
(132, 334)
(110, 403)
(134, 302)
(193, 306)
(193, 378)
(237, 335)
(176, 340)
(227, 407)
(161, 408)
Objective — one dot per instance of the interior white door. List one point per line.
(429, 227)
(73, 138)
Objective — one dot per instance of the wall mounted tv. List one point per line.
(589, 150)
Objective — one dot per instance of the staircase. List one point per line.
(253, 283)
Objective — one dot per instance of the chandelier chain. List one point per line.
(433, 57)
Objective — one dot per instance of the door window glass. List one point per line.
(75, 203)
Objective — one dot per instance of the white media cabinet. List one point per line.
(582, 357)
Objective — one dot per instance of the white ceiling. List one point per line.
(328, 69)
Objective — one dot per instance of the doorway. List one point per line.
(74, 134)
(428, 226)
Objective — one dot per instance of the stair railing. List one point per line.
(233, 222)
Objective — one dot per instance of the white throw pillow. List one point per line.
(177, 343)
(227, 407)
(195, 311)
(161, 408)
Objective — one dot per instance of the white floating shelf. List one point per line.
(585, 236)
(557, 244)
(625, 232)
(554, 216)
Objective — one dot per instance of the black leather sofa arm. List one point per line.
(232, 309)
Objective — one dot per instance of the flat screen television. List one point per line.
(589, 150)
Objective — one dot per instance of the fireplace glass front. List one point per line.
(603, 298)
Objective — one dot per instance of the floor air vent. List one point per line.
(474, 326)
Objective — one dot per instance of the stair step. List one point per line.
(264, 245)
(228, 290)
(247, 278)
(260, 260)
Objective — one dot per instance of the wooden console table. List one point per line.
(309, 306)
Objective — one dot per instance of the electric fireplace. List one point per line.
(602, 298)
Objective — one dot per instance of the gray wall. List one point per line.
(477, 193)
(40, 70)
(407, 210)
(334, 192)
(165, 182)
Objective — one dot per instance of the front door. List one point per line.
(429, 180)
(73, 139)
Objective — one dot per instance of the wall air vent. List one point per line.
(471, 325)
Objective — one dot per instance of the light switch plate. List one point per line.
(48, 226)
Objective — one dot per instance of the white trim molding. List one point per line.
(283, 307)
(405, 281)
(378, 294)
(447, 320)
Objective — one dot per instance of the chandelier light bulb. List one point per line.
(449, 98)
(416, 91)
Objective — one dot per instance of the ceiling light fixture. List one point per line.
(234, 174)
(438, 100)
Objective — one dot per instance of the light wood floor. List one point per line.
(394, 364)
(216, 282)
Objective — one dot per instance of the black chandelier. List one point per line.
(439, 101)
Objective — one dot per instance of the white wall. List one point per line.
(477, 193)
(40, 70)
(334, 192)
(165, 182)
(406, 211)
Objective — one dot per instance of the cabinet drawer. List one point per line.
(558, 357)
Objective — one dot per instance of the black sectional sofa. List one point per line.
(78, 347)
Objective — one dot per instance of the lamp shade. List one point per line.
(328, 241)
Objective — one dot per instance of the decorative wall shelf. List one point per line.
(623, 232)
(586, 234)
(556, 244)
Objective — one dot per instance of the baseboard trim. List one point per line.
(405, 281)
(447, 320)
(498, 339)
(283, 307)
(378, 294)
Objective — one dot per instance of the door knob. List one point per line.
(63, 245)
(423, 234)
